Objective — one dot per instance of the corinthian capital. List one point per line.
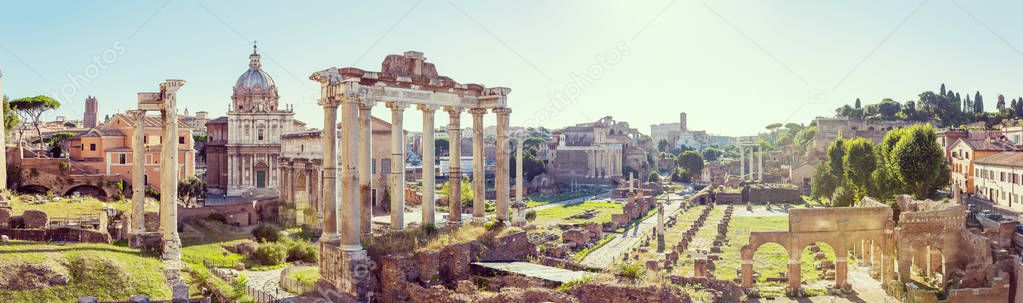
(331, 86)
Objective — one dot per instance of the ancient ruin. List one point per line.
(404, 80)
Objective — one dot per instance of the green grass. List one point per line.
(306, 277)
(65, 207)
(538, 200)
(560, 213)
(106, 271)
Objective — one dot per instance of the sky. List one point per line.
(732, 66)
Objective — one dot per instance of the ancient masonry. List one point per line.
(164, 102)
(404, 80)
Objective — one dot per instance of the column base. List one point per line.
(345, 273)
(479, 220)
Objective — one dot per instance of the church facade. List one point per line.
(243, 148)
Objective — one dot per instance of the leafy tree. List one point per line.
(858, 103)
(823, 184)
(440, 147)
(681, 174)
(692, 161)
(466, 191)
(978, 103)
(191, 188)
(663, 145)
(10, 117)
(712, 154)
(653, 177)
(836, 155)
(916, 159)
(842, 197)
(531, 165)
(55, 143)
(32, 108)
(1000, 105)
(859, 163)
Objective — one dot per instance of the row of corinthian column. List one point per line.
(353, 198)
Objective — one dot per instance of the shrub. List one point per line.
(630, 271)
(530, 215)
(217, 217)
(301, 250)
(842, 197)
(266, 233)
(270, 254)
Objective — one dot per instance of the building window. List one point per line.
(122, 159)
(145, 139)
(259, 135)
(92, 146)
(181, 140)
(385, 166)
(373, 167)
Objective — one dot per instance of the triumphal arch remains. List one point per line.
(404, 80)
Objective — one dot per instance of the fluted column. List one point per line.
(3, 142)
(454, 165)
(742, 162)
(478, 172)
(519, 218)
(138, 173)
(169, 172)
(330, 105)
(502, 182)
(349, 193)
(365, 167)
(429, 177)
(397, 166)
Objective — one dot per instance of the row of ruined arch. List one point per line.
(887, 260)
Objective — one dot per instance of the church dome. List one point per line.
(255, 77)
(255, 90)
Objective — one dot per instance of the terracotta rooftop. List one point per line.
(988, 145)
(1010, 158)
(150, 121)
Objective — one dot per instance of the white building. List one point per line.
(999, 178)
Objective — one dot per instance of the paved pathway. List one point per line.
(605, 255)
(571, 201)
(543, 272)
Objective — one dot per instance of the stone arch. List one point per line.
(33, 189)
(822, 261)
(87, 190)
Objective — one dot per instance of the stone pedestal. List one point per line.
(794, 275)
(747, 274)
(841, 272)
(345, 272)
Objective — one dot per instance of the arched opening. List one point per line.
(33, 189)
(928, 267)
(87, 190)
(770, 269)
(817, 267)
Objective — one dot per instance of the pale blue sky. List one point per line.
(733, 66)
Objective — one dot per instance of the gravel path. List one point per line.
(605, 255)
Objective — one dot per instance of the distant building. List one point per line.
(241, 159)
(999, 179)
(91, 112)
(106, 149)
(965, 153)
(594, 152)
(830, 129)
(197, 122)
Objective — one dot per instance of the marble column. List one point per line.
(397, 166)
(169, 172)
(366, 167)
(503, 175)
(519, 185)
(330, 105)
(454, 165)
(478, 169)
(138, 173)
(760, 163)
(429, 171)
(742, 162)
(349, 194)
(3, 143)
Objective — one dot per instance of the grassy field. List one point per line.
(560, 213)
(537, 199)
(108, 272)
(68, 206)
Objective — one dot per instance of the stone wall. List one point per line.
(242, 214)
(58, 235)
(615, 293)
(774, 194)
(35, 219)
